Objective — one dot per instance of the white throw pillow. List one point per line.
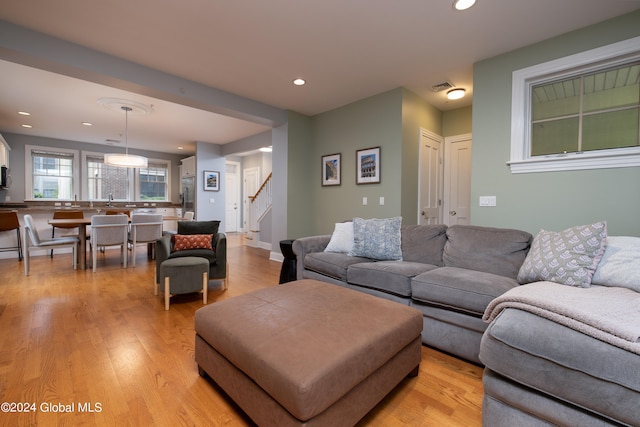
(342, 238)
(620, 263)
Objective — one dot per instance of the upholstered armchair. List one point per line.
(180, 245)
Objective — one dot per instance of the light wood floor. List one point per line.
(72, 342)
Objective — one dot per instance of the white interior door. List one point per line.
(251, 180)
(430, 175)
(232, 202)
(457, 180)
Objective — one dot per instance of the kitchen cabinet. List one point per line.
(189, 166)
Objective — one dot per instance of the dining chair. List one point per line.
(65, 215)
(108, 230)
(145, 228)
(9, 221)
(32, 241)
(188, 216)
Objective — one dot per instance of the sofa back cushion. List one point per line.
(492, 250)
(424, 243)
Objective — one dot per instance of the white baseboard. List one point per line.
(276, 256)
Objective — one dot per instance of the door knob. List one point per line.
(452, 213)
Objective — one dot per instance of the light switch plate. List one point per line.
(487, 200)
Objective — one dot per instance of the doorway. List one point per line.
(232, 197)
(444, 186)
(457, 180)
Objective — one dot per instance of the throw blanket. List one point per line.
(608, 314)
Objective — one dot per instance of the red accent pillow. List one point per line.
(192, 241)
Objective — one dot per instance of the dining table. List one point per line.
(82, 224)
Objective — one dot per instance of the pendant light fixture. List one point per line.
(125, 160)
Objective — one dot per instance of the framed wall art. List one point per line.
(211, 181)
(331, 169)
(368, 166)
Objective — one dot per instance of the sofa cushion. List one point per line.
(460, 289)
(331, 264)
(565, 363)
(377, 238)
(388, 276)
(200, 253)
(492, 250)
(423, 243)
(568, 257)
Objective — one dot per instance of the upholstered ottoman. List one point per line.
(181, 276)
(307, 352)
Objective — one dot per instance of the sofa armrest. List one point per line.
(163, 249)
(305, 245)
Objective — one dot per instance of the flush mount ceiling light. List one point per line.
(299, 82)
(463, 4)
(125, 160)
(455, 94)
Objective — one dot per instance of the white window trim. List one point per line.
(523, 79)
(28, 167)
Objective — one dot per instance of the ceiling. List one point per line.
(346, 51)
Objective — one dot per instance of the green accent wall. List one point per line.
(416, 114)
(457, 122)
(391, 121)
(551, 200)
(299, 197)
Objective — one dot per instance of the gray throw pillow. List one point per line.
(378, 239)
(569, 257)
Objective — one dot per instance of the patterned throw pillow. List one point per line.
(378, 239)
(569, 257)
(192, 241)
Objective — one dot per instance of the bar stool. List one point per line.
(9, 221)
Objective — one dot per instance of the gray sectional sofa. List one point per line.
(553, 354)
(449, 273)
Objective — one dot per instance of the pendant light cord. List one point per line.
(126, 129)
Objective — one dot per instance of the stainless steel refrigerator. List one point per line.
(187, 194)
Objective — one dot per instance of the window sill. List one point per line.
(572, 161)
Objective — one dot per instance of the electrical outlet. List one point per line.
(381, 201)
(364, 201)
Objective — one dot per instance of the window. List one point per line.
(50, 173)
(578, 112)
(125, 184)
(104, 180)
(153, 182)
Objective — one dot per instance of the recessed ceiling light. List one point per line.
(455, 94)
(299, 82)
(87, 124)
(180, 147)
(24, 113)
(27, 126)
(463, 4)
(266, 149)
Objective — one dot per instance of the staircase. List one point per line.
(259, 207)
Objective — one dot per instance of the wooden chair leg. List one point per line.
(205, 287)
(167, 295)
